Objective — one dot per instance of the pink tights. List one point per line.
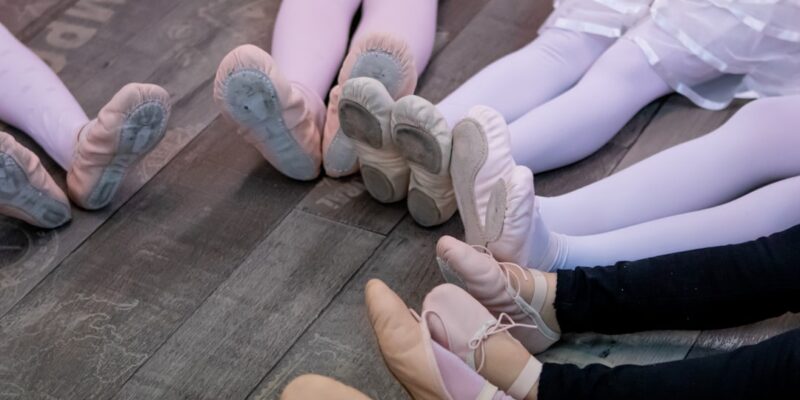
(34, 100)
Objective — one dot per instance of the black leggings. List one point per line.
(711, 288)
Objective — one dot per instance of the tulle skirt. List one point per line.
(752, 46)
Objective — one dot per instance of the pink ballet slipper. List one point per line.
(462, 325)
(316, 387)
(125, 130)
(379, 56)
(365, 112)
(282, 119)
(27, 192)
(497, 287)
(495, 196)
(412, 356)
(422, 136)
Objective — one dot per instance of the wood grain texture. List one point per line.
(178, 47)
(252, 319)
(112, 303)
(341, 343)
(714, 342)
(24, 18)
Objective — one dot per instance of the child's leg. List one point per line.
(579, 122)
(710, 288)
(770, 209)
(310, 41)
(413, 21)
(768, 370)
(755, 147)
(529, 77)
(35, 100)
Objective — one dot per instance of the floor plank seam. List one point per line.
(200, 304)
(105, 221)
(322, 311)
(614, 168)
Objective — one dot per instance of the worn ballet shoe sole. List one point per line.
(131, 125)
(252, 101)
(470, 150)
(21, 199)
(316, 387)
(141, 132)
(383, 58)
(421, 135)
(364, 114)
(282, 120)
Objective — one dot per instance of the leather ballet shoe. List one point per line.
(27, 192)
(498, 287)
(462, 325)
(126, 129)
(282, 119)
(317, 387)
(408, 350)
(422, 136)
(380, 56)
(365, 113)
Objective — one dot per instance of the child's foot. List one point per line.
(526, 295)
(495, 196)
(27, 192)
(426, 370)
(462, 325)
(365, 111)
(421, 134)
(316, 387)
(125, 130)
(282, 119)
(378, 56)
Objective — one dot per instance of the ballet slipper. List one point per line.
(422, 136)
(27, 192)
(365, 114)
(462, 325)
(410, 354)
(126, 129)
(495, 196)
(379, 56)
(498, 287)
(282, 119)
(311, 387)
(339, 153)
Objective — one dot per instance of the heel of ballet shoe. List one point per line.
(21, 200)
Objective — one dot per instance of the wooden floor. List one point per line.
(212, 276)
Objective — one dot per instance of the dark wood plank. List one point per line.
(341, 343)
(92, 322)
(251, 320)
(181, 53)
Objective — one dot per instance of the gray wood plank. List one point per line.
(340, 343)
(182, 55)
(84, 330)
(251, 320)
(24, 18)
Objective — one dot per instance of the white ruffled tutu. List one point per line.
(753, 44)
